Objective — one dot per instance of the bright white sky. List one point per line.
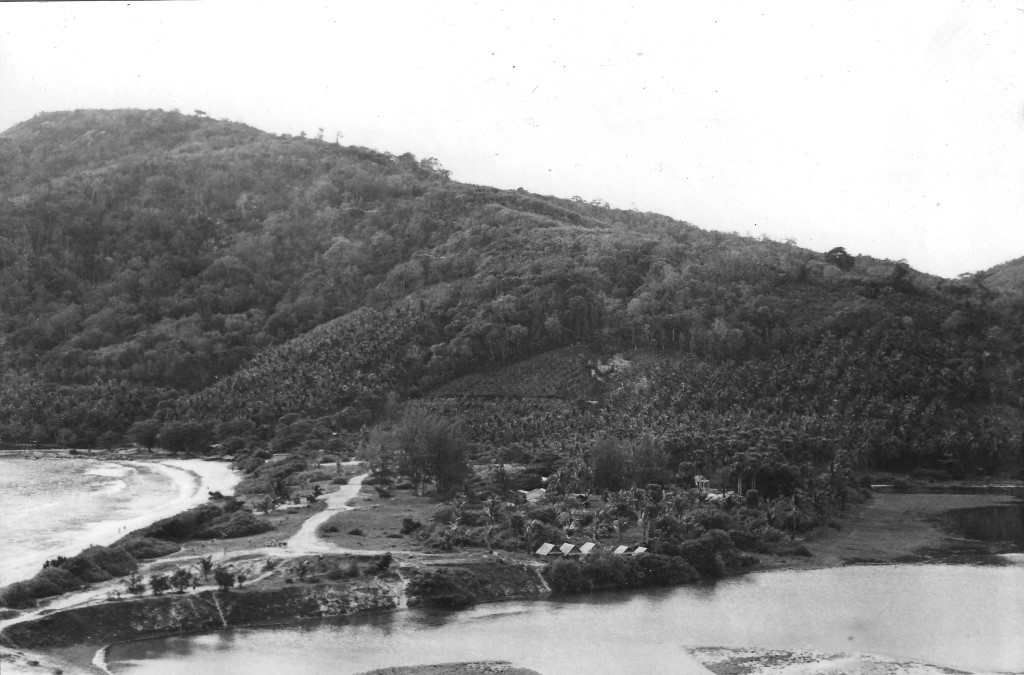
(895, 129)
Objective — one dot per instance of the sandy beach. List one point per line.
(191, 481)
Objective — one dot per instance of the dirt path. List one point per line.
(307, 541)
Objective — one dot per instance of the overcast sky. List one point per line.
(895, 129)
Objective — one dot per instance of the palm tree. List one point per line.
(206, 566)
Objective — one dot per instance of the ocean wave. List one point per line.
(113, 487)
(111, 471)
(102, 511)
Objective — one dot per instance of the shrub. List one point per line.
(745, 541)
(85, 569)
(544, 532)
(545, 514)
(144, 548)
(185, 525)
(473, 518)
(60, 578)
(356, 532)
(238, 524)
(566, 576)
(181, 579)
(663, 570)
(224, 578)
(410, 525)
(159, 584)
(711, 518)
(18, 594)
(604, 570)
(444, 513)
(100, 563)
(135, 584)
(442, 588)
(701, 554)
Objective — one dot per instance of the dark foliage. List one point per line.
(187, 281)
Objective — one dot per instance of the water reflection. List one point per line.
(958, 616)
(989, 523)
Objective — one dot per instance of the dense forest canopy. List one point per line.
(177, 279)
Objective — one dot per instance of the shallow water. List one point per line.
(960, 616)
(52, 507)
(989, 523)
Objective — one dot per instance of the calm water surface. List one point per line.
(961, 616)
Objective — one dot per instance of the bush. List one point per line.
(566, 576)
(711, 518)
(60, 578)
(224, 578)
(50, 581)
(159, 584)
(701, 555)
(544, 533)
(100, 563)
(606, 571)
(237, 524)
(356, 532)
(144, 548)
(410, 525)
(545, 514)
(85, 569)
(185, 525)
(444, 514)
(745, 541)
(663, 570)
(473, 518)
(442, 588)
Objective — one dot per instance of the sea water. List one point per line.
(958, 616)
(51, 507)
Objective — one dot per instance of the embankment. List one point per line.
(151, 616)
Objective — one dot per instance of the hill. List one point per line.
(1007, 277)
(274, 293)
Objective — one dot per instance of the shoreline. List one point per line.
(191, 480)
(890, 528)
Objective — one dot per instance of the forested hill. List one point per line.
(174, 274)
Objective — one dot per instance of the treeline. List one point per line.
(215, 275)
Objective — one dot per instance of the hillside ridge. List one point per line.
(201, 279)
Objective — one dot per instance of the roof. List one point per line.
(545, 549)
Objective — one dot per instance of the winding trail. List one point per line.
(306, 540)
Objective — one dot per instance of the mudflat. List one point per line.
(897, 527)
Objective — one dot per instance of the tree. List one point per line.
(181, 579)
(189, 437)
(609, 463)
(840, 258)
(145, 432)
(224, 577)
(206, 566)
(159, 584)
(135, 584)
(429, 448)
